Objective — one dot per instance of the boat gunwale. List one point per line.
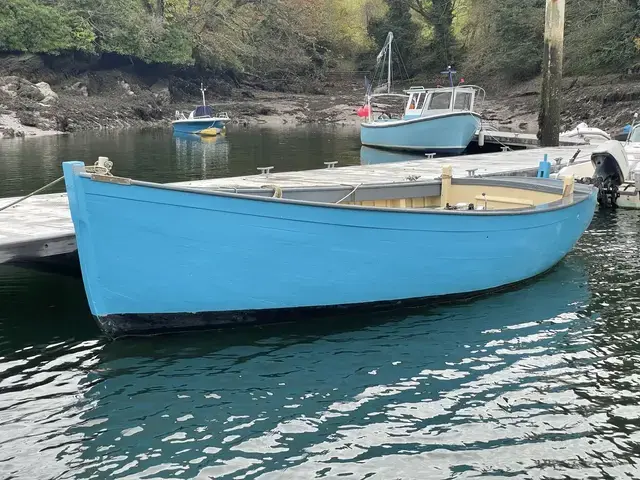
(581, 194)
(396, 123)
(201, 120)
(405, 148)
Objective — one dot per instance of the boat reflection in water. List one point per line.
(520, 336)
(374, 156)
(211, 152)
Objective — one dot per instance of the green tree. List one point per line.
(135, 28)
(600, 36)
(439, 14)
(30, 26)
(505, 37)
(406, 33)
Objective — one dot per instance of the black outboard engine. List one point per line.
(607, 177)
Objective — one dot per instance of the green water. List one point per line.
(541, 382)
(157, 155)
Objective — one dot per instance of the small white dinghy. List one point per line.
(589, 134)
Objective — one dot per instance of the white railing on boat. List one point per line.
(376, 95)
(180, 116)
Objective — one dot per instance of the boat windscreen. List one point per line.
(440, 101)
(462, 101)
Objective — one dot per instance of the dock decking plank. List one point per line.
(527, 140)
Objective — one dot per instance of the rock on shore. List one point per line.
(115, 99)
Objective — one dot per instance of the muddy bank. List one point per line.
(74, 109)
(36, 101)
(607, 102)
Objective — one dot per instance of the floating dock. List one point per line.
(40, 227)
(522, 140)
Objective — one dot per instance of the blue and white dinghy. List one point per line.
(201, 120)
(158, 257)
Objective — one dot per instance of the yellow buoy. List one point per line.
(209, 132)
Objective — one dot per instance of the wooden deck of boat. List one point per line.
(41, 225)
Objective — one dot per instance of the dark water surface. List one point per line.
(157, 155)
(541, 382)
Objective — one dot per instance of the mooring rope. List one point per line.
(32, 194)
(350, 193)
(277, 191)
(99, 169)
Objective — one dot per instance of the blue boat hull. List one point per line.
(155, 258)
(448, 133)
(196, 126)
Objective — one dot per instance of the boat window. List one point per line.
(416, 101)
(635, 135)
(463, 101)
(440, 101)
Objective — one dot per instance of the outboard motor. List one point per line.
(611, 166)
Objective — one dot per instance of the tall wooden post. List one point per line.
(549, 119)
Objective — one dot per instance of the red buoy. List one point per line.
(364, 111)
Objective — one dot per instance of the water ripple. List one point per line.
(538, 383)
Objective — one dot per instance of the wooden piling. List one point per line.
(549, 119)
(445, 191)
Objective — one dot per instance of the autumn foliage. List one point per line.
(297, 40)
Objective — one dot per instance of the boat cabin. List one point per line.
(634, 137)
(201, 111)
(433, 101)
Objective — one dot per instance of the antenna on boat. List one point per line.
(633, 124)
(202, 89)
(449, 71)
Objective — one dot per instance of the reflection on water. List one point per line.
(366, 395)
(539, 382)
(159, 156)
(373, 156)
(209, 152)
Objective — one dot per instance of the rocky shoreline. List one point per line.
(33, 107)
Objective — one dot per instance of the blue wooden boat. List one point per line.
(158, 257)
(201, 120)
